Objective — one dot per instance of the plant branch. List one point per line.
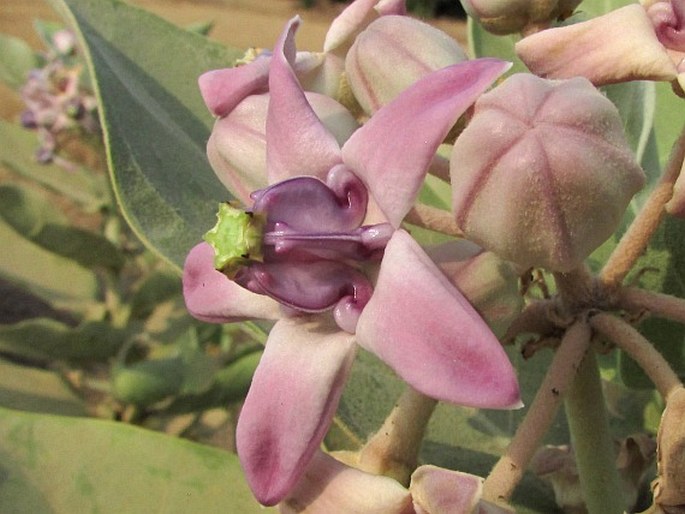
(435, 219)
(639, 349)
(592, 442)
(393, 450)
(508, 471)
(658, 304)
(636, 238)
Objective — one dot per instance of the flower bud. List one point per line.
(237, 146)
(488, 283)
(543, 174)
(393, 53)
(511, 16)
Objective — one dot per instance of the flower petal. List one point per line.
(223, 89)
(616, 47)
(394, 149)
(210, 296)
(441, 491)
(349, 23)
(330, 486)
(419, 324)
(293, 396)
(297, 141)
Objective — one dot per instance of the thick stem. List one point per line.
(639, 349)
(592, 442)
(393, 450)
(658, 304)
(636, 238)
(435, 219)
(508, 471)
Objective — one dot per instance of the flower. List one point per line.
(630, 43)
(553, 157)
(391, 54)
(413, 313)
(325, 487)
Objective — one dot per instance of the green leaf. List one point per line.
(60, 465)
(158, 287)
(46, 339)
(50, 276)
(149, 381)
(37, 390)
(30, 214)
(17, 154)
(662, 269)
(16, 60)
(155, 123)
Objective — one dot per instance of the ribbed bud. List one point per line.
(511, 16)
(543, 174)
(391, 54)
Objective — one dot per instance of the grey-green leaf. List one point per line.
(155, 124)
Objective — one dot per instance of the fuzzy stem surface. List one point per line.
(508, 471)
(592, 442)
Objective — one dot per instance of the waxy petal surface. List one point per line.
(293, 397)
(223, 89)
(297, 142)
(210, 296)
(348, 23)
(329, 486)
(419, 324)
(441, 491)
(617, 47)
(392, 152)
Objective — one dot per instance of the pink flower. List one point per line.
(413, 317)
(630, 43)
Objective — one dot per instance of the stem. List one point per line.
(658, 304)
(393, 450)
(636, 238)
(639, 349)
(435, 219)
(576, 288)
(592, 442)
(508, 471)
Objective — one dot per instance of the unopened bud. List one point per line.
(543, 174)
(511, 16)
(391, 54)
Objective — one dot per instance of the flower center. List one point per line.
(303, 244)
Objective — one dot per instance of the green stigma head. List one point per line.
(236, 238)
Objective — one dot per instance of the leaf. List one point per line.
(30, 214)
(147, 382)
(155, 124)
(16, 60)
(43, 273)
(60, 465)
(46, 339)
(662, 269)
(37, 390)
(17, 154)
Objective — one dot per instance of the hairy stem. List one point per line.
(636, 238)
(592, 442)
(393, 450)
(657, 304)
(508, 471)
(640, 349)
(435, 219)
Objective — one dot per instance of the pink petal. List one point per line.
(394, 149)
(210, 296)
(223, 89)
(293, 396)
(419, 324)
(297, 141)
(386, 7)
(329, 486)
(349, 23)
(616, 47)
(441, 491)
